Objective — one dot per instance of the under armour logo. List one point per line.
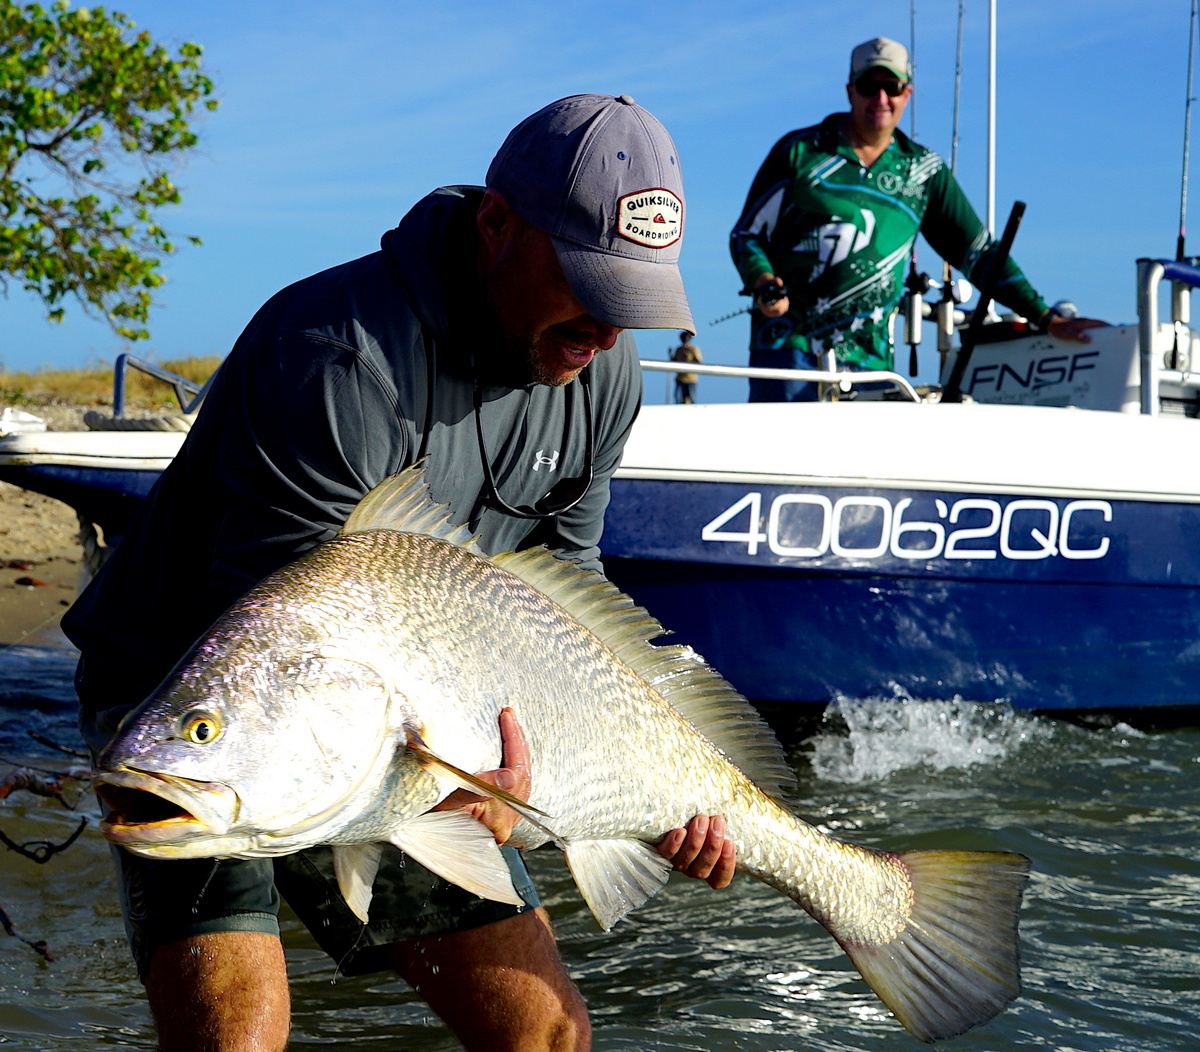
(540, 459)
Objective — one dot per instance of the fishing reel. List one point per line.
(770, 294)
(767, 295)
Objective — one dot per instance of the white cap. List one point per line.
(882, 53)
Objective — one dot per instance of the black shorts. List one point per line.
(164, 901)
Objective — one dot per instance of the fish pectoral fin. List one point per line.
(355, 866)
(462, 850)
(614, 876)
(463, 780)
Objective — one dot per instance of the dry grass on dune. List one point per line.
(94, 386)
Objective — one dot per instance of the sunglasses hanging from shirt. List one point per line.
(565, 493)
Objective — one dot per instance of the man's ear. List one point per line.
(496, 221)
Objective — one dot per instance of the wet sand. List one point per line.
(41, 562)
(40, 565)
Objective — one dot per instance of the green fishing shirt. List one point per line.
(839, 235)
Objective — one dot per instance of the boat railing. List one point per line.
(844, 381)
(187, 393)
(1183, 277)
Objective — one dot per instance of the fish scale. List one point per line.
(390, 651)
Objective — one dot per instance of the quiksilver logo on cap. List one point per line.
(651, 217)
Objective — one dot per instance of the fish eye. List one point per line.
(200, 727)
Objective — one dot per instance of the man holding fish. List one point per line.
(486, 339)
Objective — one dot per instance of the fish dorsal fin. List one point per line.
(402, 503)
(678, 673)
(710, 704)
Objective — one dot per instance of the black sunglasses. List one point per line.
(868, 87)
(565, 493)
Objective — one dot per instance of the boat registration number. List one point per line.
(811, 525)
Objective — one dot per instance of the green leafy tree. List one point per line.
(93, 114)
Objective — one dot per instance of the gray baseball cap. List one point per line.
(882, 53)
(601, 176)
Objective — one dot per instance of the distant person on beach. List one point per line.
(487, 337)
(832, 215)
(685, 383)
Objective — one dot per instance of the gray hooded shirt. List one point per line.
(339, 381)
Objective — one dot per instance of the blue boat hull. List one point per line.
(106, 496)
(801, 594)
(1037, 556)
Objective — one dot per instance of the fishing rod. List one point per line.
(1180, 255)
(1181, 300)
(991, 120)
(916, 284)
(957, 92)
(912, 66)
(768, 294)
(945, 306)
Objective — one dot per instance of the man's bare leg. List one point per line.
(499, 988)
(224, 992)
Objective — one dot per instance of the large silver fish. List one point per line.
(348, 693)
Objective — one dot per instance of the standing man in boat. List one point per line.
(487, 339)
(685, 383)
(829, 223)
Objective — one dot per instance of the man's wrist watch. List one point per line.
(1044, 321)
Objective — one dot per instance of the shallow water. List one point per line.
(1110, 927)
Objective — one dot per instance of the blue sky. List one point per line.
(335, 118)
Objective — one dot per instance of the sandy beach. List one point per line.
(40, 557)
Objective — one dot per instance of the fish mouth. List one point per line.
(146, 810)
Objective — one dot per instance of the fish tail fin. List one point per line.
(956, 963)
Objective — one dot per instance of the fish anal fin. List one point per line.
(957, 962)
(355, 866)
(615, 876)
(462, 850)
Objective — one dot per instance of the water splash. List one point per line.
(868, 739)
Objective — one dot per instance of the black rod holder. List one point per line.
(952, 392)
